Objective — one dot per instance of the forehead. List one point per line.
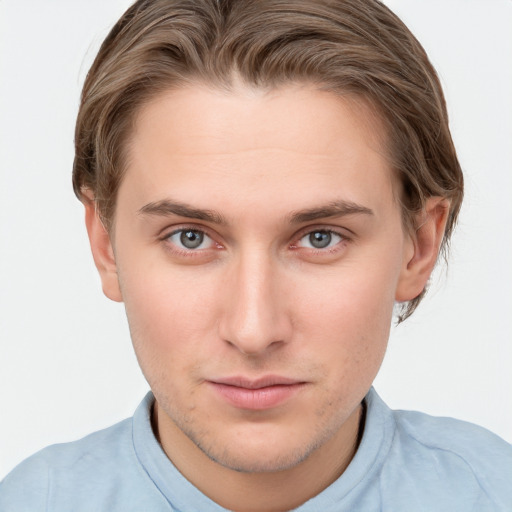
(294, 139)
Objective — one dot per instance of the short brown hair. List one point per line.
(346, 46)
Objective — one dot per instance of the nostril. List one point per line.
(251, 347)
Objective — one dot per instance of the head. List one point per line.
(238, 115)
(346, 47)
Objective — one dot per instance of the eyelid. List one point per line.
(170, 231)
(167, 232)
(204, 241)
(321, 252)
(344, 233)
(335, 238)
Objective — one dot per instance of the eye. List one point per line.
(190, 239)
(320, 239)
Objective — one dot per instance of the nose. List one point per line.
(255, 317)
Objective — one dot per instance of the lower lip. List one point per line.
(257, 399)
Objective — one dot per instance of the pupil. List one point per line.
(191, 239)
(320, 239)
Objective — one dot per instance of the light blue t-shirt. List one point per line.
(407, 461)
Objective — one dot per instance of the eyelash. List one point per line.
(188, 252)
(343, 240)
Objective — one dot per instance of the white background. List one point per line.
(66, 363)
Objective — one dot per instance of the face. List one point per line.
(259, 251)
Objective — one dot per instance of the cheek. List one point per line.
(350, 317)
(165, 329)
(354, 300)
(169, 313)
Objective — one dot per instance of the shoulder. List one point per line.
(471, 443)
(96, 449)
(29, 485)
(457, 455)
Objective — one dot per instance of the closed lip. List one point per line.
(259, 383)
(256, 394)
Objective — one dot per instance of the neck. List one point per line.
(269, 491)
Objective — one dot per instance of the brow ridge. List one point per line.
(337, 208)
(168, 207)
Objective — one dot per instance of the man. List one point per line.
(263, 181)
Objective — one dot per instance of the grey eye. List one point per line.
(320, 239)
(191, 239)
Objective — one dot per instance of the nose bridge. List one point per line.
(255, 317)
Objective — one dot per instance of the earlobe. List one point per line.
(101, 248)
(422, 249)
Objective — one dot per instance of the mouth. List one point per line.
(256, 394)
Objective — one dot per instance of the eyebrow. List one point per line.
(338, 208)
(167, 207)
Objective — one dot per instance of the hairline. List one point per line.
(366, 109)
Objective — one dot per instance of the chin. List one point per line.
(258, 462)
(260, 452)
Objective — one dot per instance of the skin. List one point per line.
(256, 298)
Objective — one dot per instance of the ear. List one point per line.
(422, 248)
(101, 247)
